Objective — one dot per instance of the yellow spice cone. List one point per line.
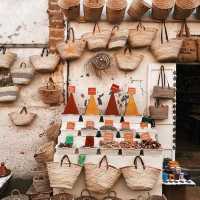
(92, 108)
(131, 108)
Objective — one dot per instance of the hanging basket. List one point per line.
(93, 9)
(41, 183)
(141, 36)
(115, 10)
(138, 8)
(161, 8)
(63, 175)
(184, 8)
(99, 178)
(8, 93)
(22, 118)
(16, 195)
(140, 179)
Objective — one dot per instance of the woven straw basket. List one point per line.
(159, 112)
(16, 195)
(7, 58)
(184, 8)
(140, 179)
(8, 93)
(138, 8)
(141, 36)
(70, 8)
(115, 10)
(93, 9)
(63, 175)
(161, 8)
(99, 178)
(53, 131)
(41, 183)
(98, 39)
(127, 61)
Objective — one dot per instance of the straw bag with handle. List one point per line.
(115, 10)
(46, 62)
(16, 195)
(140, 179)
(51, 93)
(161, 8)
(72, 48)
(189, 49)
(118, 38)
(7, 58)
(86, 195)
(163, 91)
(127, 61)
(167, 51)
(184, 8)
(99, 178)
(22, 118)
(63, 175)
(141, 36)
(93, 10)
(98, 39)
(41, 183)
(45, 152)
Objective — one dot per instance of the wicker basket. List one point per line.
(159, 112)
(138, 8)
(9, 93)
(93, 9)
(16, 195)
(41, 183)
(53, 131)
(115, 10)
(161, 8)
(184, 8)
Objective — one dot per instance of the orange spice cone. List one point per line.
(92, 108)
(131, 108)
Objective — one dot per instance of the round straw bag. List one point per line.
(41, 183)
(7, 58)
(138, 8)
(115, 10)
(93, 10)
(45, 62)
(86, 195)
(63, 175)
(51, 93)
(127, 61)
(141, 36)
(16, 195)
(22, 118)
(184, 8)
(161, 8)
(99, 178)
(70, 8)
(140, 179)
(45, 153)
(62, 196)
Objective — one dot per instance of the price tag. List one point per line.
(143, 125)
(128, 137)
(145, 136)
(89, 124)
(108, 122)
(71, 89)
(115, 88)
(108, 137)
(92, 91)
(131, 91)
(125, 125)
(70, 125)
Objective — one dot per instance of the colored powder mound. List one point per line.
(131, 108)
(71, 107)
(112, 106)
(92, 108)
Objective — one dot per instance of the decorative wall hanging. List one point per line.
(70, 8)
(51, 93)
(46, 62)
(141, 36)
(72, 48)
(140, 180)
(118, 38)
(41, 183)
(16, 195)
(167, 51)
(86, 195)
(22, 73)
(22, 118)
(161, 8)
(93, 9)
(7, 58)
(127, 61)
(115, 10)
(63, 175)
(98, 39)
(100, 179)
(138, 8)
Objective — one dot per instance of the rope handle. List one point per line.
(63, 158)
(3, 49)
(184, 29)
(15, 193)
(129, 49)
(50, 83)
(71, 31)
(96, 26)
(23, 65)
(104, 159)
(24, 109)
(164, 29)
(140, 26)
(43, 52)
(136, 162)
(115, 27)
(162, 77)
(85, 191)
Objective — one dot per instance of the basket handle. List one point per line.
(140, 26)
(51, 83)
(136, 162)
(85, 191)
(43, 52)
(129, 49)
(71, 31)
(157, 102)
(104, 159)
(184, 29)
(164, 29)
(63, 158)
(95, 27)
(24, 109)
(162, 77)
(23, 65)
(3, 49)
(15, 194)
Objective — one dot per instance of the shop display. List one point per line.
(115, 10)
(93, 10)
(46, 62)
(41, 183)
(4, 171)
(22, 73)
(141, 36)
(63, 175)
(16, 194)
(140, 180)
(100, 179)
(86, 195)
(138, 8)
(23, 117)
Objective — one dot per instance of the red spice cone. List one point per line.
(112, 106)
(71, 107)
